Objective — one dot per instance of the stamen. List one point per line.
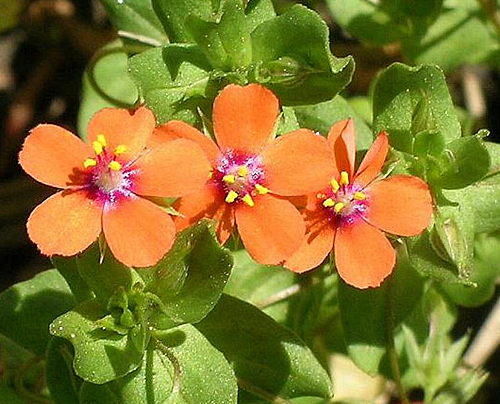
(261, 189)
(359, 196)
(210, 174)
(120, 149)
(115, 166)
(102, 140)
(344, 178)
(89, 163)
(98, 147)
(242, 171)
(335, 185)
(231, 196)
(320, 196)
(328, 203)
(229, 179)
(338, 207)
(248, 200)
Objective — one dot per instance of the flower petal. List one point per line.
(342, 141)
(244, 117)
(298, 163)
(206, 203)
(316, 245)
(178, 129)
(138, 232)
(401, 205)
(65, 224)
(373, 161)
(54, 156)
(271, 230)
(363, 255)
(172, 169)
(123, 127)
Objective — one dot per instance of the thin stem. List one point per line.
(177, 379)
(19, 382)
(391, 347)
(257, 391)
(490, 9)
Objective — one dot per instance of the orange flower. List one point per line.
(252, 172)
(350, 212)
(103, 183)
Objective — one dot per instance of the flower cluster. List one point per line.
(248, 179)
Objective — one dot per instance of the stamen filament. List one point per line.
(328, 203)
(344, 178)
(229, 179)
(261, 189)
(89, 163)
(231, 196)
(115, 166)
(248, 200)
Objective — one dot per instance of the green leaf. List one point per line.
(190, 279)
(398, 102)
(112, 78)
(320, 117)
(9, 396)
(365, 313)
(299, 38)
(101, 355)
(68, 268)
(183, 368)
(264, 354)
(27, 308)
(257, 12)
(173, 81)
(136, 17)
(61, 380)
(11, 13)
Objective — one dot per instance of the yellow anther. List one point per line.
(115, 166)
(359, 196)
(338, 207)
(328, 203)
(98, 147)
(210, 174)
(335, 185)
(120, 149)
(229, 179)
(89, 163)
(344, 178)
(231, 196)
(261, 189)
(242, 171)
(102, 140)
(248, 200)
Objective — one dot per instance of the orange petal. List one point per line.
(272, 230)
(178, 129)
(209, 203)
(51, 155)
(244, 117)
(363, 255)
(342, 141)
(316, 245)
(373, 161)
(123, 127)
(298, 163)
(138, 232)
(172, 169)
(65, 224)
(401, 205)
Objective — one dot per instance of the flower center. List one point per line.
(106, 178)
(240, 176)
(343, 201)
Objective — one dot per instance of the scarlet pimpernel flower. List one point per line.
(353, 210)
(104, 183)
(252, 171)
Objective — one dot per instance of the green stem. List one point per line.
(19, 382)
(391, 347)
(177, 378)
(258, 392)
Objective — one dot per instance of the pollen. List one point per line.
(102, 140)
(338, 207)
(328, 203)
(320, 196)
(229, 179)
(98, 147)
(335, 185)
(89, 163)
(231, 196)
(248, 200)
(261, 189)
(344, 178)
(120, 149)
(115, 166)
(242, 171)
(359, 196)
